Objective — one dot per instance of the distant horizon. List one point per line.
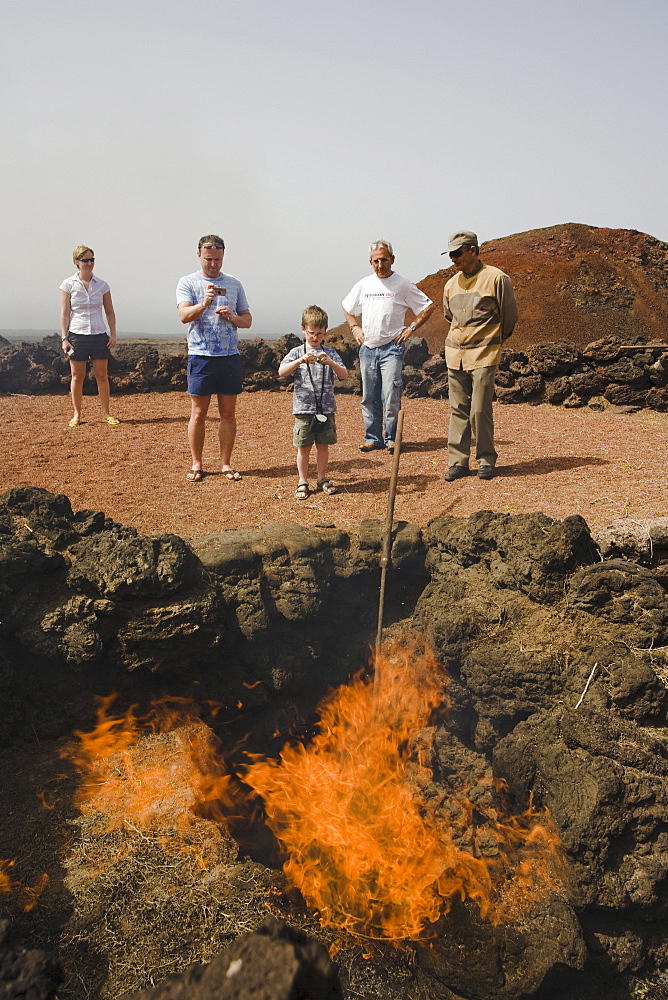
(32, 334)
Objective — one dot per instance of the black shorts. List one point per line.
(215, 376)
(89, 346)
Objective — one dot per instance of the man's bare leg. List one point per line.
(227, 407)
(199, 407)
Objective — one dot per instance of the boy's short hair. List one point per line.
(315, 316)
(80, 252)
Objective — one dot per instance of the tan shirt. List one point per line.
(482, 312)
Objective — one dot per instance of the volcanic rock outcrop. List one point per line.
(558, 688)
(29, 974)
(607, 372)
(275, 962)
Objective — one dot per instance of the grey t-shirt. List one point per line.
(314, 384)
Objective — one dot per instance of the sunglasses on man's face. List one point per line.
(456, 254)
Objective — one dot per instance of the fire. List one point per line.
(158, 775)
(365, 847)
(28, 894)
(7, 883)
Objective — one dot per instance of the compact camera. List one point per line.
(314, 354)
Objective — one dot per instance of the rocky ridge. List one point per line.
(607, 372)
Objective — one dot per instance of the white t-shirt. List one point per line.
(86, 307)
(383, 303)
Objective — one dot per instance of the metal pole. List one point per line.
(387, 546)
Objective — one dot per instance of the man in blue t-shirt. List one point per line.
(215, 307)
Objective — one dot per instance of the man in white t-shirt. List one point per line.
(382, 301)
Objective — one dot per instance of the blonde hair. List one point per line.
(315, 316)
(80, 252)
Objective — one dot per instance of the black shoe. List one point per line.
(456, 472)
(486, 472)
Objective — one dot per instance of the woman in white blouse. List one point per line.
(83, 300)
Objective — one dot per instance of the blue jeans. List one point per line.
(382, 384)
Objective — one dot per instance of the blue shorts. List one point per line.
(215, 376)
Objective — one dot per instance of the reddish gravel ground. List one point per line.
(603, 465)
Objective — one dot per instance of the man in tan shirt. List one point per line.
(479, 303)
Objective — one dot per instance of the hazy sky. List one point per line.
(300, 131)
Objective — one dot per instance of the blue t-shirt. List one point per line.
(210, 335)
(314, 384)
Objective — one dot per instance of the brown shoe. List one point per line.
(456, 472)
(370, 447)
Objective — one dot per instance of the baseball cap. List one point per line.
(462, 238)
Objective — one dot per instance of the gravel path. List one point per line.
(603, 465)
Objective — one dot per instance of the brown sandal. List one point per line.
(303, 492)
(327, 486)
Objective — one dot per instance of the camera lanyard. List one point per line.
(318, 402)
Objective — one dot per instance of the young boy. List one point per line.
(314, 367)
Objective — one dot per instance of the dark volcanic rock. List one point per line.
(527, 552)
(623, 593)
(275, 962)
(552, 359)
(604, 781)
(417, 351)
(106, 566)
(480, 962)
(26, 974)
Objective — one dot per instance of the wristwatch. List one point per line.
(412, 328)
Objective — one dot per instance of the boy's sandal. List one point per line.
(327, 486)
(303, 492)
(196, 475)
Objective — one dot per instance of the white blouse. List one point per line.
(86, 307)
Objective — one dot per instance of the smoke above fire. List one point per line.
(369, 845)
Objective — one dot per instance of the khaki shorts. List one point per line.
(308, 430)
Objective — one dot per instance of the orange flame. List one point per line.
(157, 774)
(29, 895)
(7, 884)
(363, 848)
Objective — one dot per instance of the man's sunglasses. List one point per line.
(456, 254)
